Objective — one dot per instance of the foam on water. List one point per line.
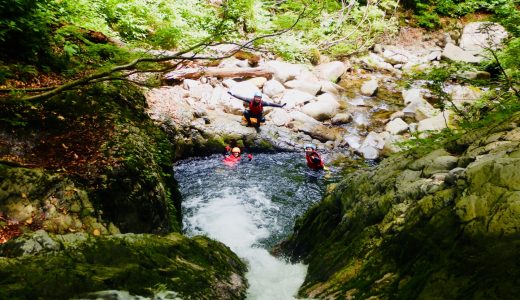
(247, 206)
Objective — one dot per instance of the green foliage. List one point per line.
(330, 28)
(509, 59)
(161, 22)
(166, 38)
(422, 144)
(57, 27)
(4, 72)
(76, 52)
(25, 29)
(427, 13)
(508, 15)
(242, 13)
(426, 17)
(436, 80)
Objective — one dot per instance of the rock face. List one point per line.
(111, 176)
(443, 224)
(49, 200)
(73, 265)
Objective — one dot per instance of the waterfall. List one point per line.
(250, 207)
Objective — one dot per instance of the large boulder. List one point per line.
(375, 140)
(369, 88)
(319, 131)
(331, 87)
(396, 126)
(331, 71)
(168, 104)
(279, 117)
(325, 108)
(298, 116)
(461, 95)
(455, 53)
(258, 81)
(375, 61)
(412, 95)
(396, 56)
(244, 89)
(341, 118)
(369, 152)
(420, 110)
(43, 199)
(478, 37)
(354, 141)
(295, 98)
(435, 123)
(310, 87)
(74, 265)
(273, 87)
(307, 75)
(283, 71)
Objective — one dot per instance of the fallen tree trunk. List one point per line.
(196, 73)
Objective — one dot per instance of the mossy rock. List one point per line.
(36, 198)
(71, 265)
(139, 194)
(96, 148)
(397, 231)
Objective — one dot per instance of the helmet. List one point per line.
(258, 94)
(235, 150)
(312, 146)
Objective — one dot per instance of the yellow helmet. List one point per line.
(235, 150)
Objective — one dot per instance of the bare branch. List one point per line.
(28, 90)
(181, 56)
(503, 71)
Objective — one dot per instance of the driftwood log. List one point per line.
(196, 73)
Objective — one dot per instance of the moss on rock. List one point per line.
(139, 193)
(36, 198)
(88, 159)
(419, 227)
(67, 266)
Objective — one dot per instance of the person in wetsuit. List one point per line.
(313, 158)
(233, 156)
(256, 107)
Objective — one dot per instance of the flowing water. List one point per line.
(251, 207)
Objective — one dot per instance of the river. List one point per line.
(251, 207)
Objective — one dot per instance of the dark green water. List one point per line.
(250, 207)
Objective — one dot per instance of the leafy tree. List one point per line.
(25, 29)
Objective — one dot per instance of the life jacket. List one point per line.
(314, 165)
(256, 109)
(231, 159)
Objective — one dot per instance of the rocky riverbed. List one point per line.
(90, 173)
(365, 105)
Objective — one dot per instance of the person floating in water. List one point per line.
(256, 107)
(314, 160)
(233, 156)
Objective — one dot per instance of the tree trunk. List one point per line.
(196, 73)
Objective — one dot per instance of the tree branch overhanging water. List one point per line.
(114, 73)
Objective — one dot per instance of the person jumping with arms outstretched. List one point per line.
(256, 107)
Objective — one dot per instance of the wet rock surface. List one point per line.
(81, 266)
(420, 222)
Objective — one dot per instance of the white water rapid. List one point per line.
(249, 208)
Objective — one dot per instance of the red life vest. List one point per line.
(231, 159)
(255, 109)
(314, 165)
